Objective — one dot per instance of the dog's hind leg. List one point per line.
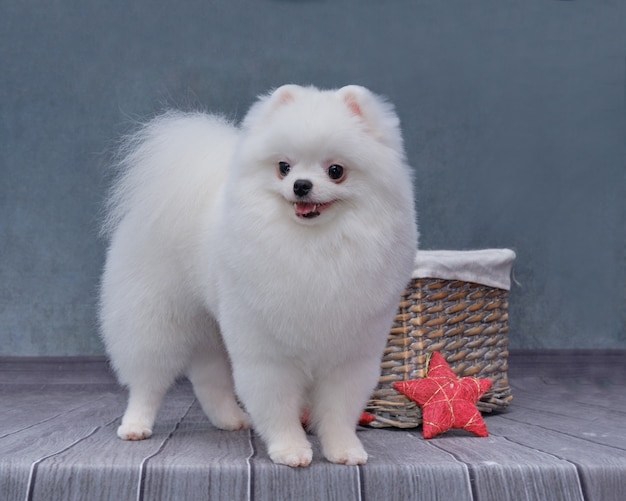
(143, 404)
(210, 373)
(147, 356)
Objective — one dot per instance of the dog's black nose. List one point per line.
(302, 187)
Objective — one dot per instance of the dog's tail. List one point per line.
(166, 163)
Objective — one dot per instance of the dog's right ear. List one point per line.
(266, 104)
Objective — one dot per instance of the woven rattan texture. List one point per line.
(466, 322)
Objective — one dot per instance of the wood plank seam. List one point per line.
(471, 473)
(552, 430)
(583, 493)
(144, 462)
(32, 475)
(361, 483)
(51, 418)
(250, 466)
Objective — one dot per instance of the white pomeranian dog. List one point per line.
(264, 262)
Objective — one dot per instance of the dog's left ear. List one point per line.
(285, 94)
(376, 112)
(268, 103)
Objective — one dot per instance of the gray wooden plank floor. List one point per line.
(563, 438)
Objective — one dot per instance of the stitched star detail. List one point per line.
(446, 400)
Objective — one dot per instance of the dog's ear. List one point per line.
(351, 95)
(284, 94)
(270, 102)
(377, 114)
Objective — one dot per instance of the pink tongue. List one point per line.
(303, 208)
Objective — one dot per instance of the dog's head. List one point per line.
(320, 153)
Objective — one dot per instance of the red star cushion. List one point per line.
(367, 419)
(447, 401)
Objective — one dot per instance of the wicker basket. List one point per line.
(464, 320)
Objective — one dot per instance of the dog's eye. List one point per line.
(283, 168)
(335, 172)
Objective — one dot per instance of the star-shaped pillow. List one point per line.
(446, 400)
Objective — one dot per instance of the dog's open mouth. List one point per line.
(309, 210)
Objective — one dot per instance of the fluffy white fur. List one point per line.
(212, 274)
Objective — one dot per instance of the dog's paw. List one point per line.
(134, 431)
(348, 457)
(232, 421)
(294, 457)
(351, 452)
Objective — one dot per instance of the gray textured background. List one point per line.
(513, 115)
